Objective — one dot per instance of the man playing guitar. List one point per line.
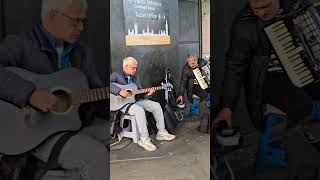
(53, 45)
(127, 76)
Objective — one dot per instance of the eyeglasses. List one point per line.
(133, 67)
(75, 21)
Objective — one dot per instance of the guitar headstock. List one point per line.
(167, 86)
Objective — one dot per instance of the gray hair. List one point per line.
(128, 61)
(194, 55)
(48, 5)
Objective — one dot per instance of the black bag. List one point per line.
(152, 124)
(19, 167)
(170, 119)
(303, 149)
(172, 114)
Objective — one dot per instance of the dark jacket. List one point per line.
(33, 52)
(247, 62)
(186, 82)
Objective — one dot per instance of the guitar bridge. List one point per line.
(27, 116)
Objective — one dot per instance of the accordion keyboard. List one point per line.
(290, 53)
(200, 78)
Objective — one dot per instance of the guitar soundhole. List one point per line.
(129, 93)
(63, 101)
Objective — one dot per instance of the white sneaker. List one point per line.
(146, 144)
(164, 136)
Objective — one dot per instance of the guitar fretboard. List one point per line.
(91, 95)
(141, 91)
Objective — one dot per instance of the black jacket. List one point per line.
(247, 62)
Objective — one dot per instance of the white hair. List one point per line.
(129, 60)
(194, 55)
(48, 5)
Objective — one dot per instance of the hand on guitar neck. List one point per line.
(43, 100)
(151, 91)
(125, 93)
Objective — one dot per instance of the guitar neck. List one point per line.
(90, 95)
(141, 91)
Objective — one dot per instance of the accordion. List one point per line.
(295, 38)
(202, 74)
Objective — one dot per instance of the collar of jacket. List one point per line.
(125, 76)
(247, 14)
(43, 42)
(47, 42)
(76, 52)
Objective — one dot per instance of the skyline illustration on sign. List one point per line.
(135, 31)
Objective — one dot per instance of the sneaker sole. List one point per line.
(139, 143)
(163, 139)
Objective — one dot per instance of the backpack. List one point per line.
(18, 167)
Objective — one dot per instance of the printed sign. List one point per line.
(146, 22)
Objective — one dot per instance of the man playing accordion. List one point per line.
(193, 82)
(253, 60)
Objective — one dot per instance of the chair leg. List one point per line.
(121, 122)
(134, 130)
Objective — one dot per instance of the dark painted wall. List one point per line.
(2, 34)
(21, 15)
(154, 59)
(223, 13)
(189, 29)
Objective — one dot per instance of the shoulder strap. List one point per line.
(127, 109)
(56, 151)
